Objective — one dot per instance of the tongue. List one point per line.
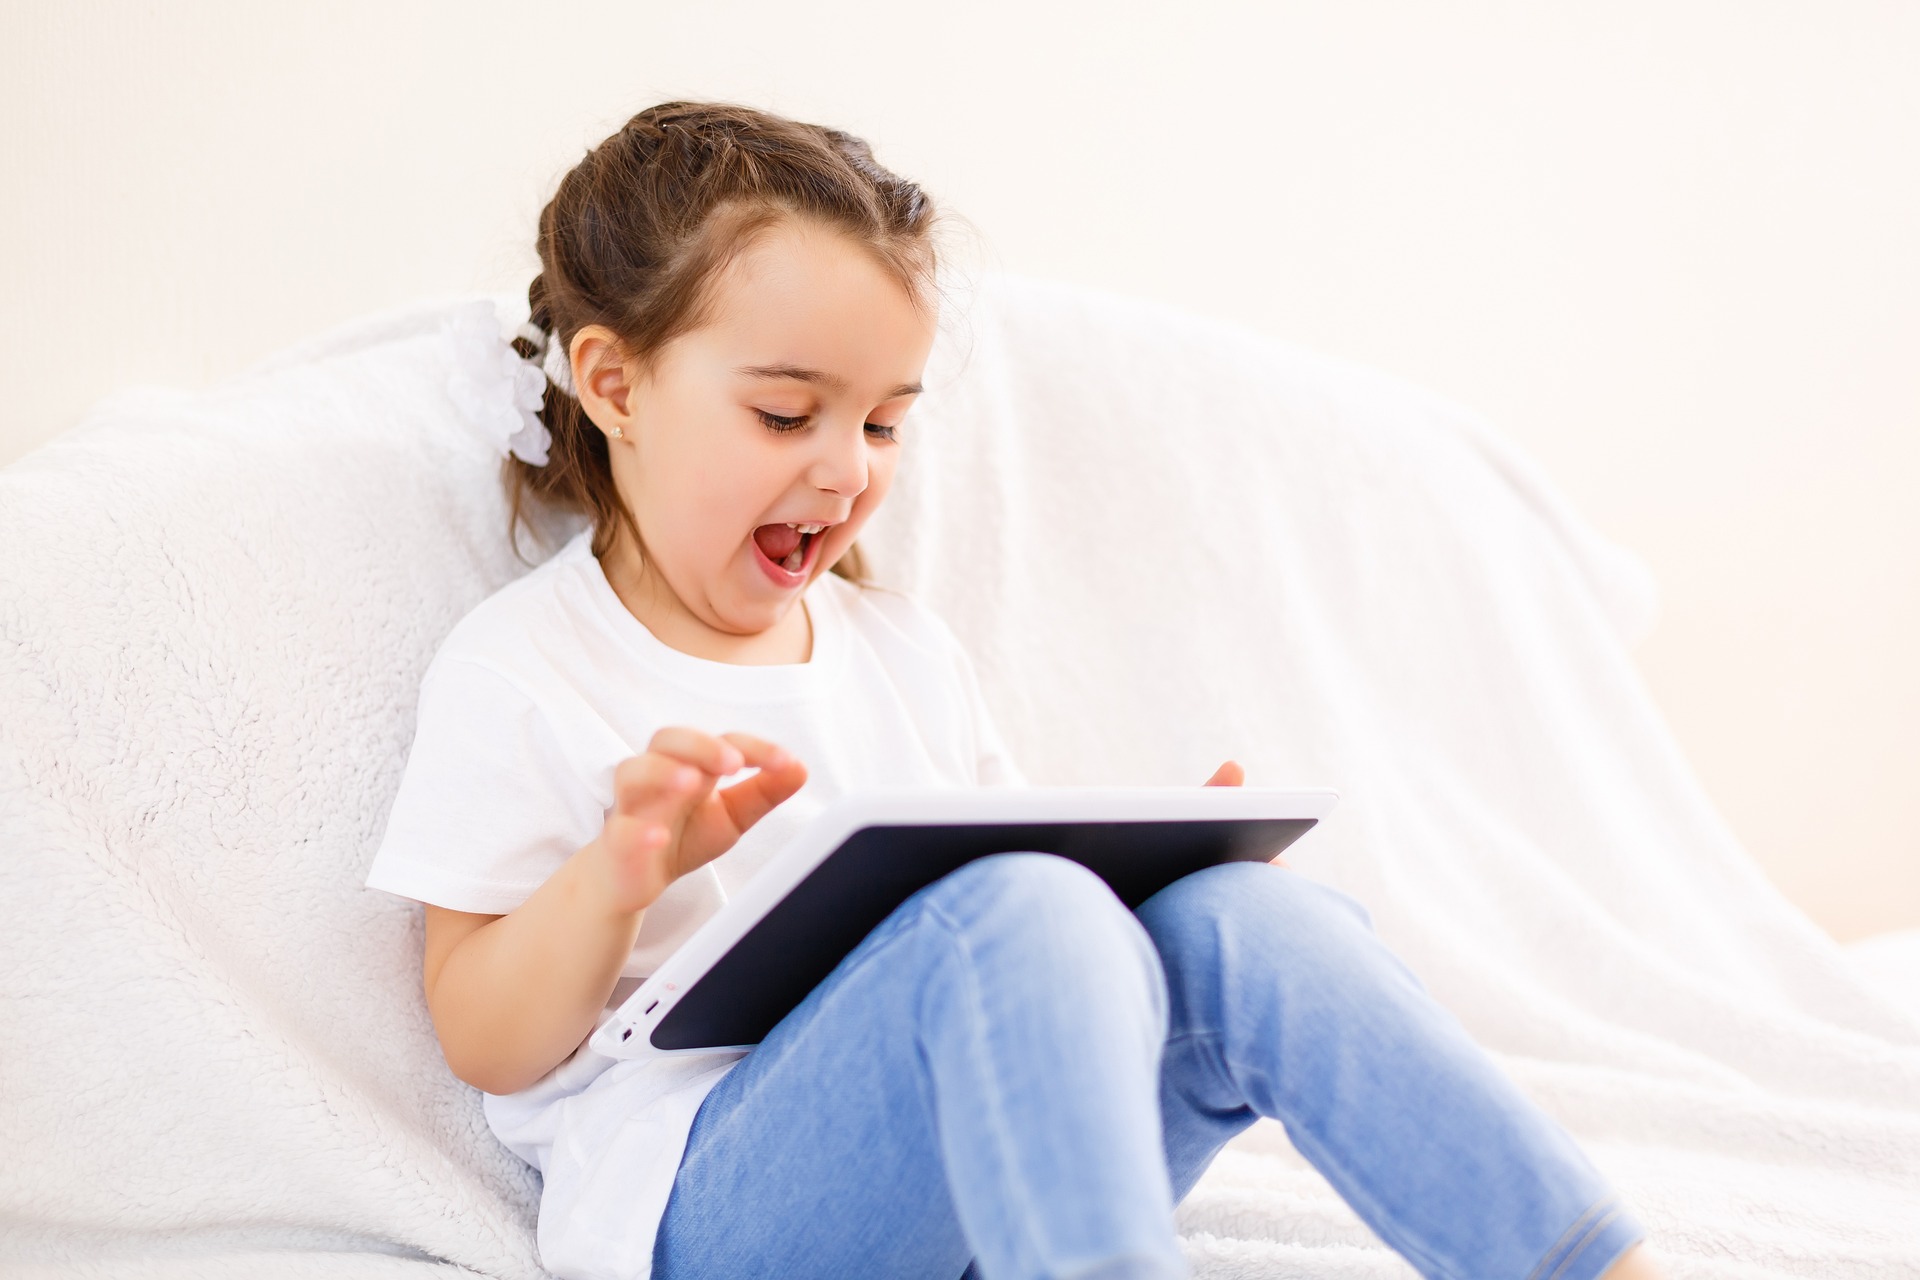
(777, 540)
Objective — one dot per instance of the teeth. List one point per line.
(793, 562)
(806, 528)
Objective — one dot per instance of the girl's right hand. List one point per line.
(667, 819)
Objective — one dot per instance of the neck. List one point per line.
(648, 597)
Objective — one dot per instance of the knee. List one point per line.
(1041, 894)
(1049, 917)
(1225, 909)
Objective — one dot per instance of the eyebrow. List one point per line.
(821, 376)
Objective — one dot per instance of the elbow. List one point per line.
(489, 1068)
(466, 1070)
(483, 1074)
(473, 1059)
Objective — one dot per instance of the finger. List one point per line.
(780, 775)
(638, 835)
(1229, 774)
(775, 764)
(753, 750)
(657, 784)
(705, 751)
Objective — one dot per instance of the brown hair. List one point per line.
(639, 230)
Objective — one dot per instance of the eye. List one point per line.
(781, 426)
(777, 423)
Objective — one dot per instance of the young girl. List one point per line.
(1013, 1075)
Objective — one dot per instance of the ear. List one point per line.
(603, 378)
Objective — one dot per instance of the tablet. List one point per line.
(866, 852)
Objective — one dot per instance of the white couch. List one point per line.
(1168, 542)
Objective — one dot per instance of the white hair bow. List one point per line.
(499, 390)
(551, 355)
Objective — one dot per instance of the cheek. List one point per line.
(880, 476)
(700, 524)
(863, 509)
(710, 494)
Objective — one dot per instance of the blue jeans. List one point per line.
(1014, 1076)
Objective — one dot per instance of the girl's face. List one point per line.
(786, 408)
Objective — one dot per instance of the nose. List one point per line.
(840, 466)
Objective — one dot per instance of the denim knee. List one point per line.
(1216, 911)
(1033, 884)
(1259, 888)
(1039, 907)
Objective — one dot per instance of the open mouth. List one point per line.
(787, 552)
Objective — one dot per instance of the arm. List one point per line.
(513, 995)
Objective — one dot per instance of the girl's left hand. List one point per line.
(1231, 774)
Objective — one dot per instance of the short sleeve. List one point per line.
(995, 766)
(488, 805)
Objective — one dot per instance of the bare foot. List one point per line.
(1637, 1263)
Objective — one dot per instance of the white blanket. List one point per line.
(1168, 542)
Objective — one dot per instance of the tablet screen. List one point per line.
(793, 948)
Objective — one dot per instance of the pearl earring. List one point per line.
(618, 434)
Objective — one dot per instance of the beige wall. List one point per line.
(1669, 247)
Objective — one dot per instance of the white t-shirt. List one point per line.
(546, 685)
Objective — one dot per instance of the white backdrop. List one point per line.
(1668, 248)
